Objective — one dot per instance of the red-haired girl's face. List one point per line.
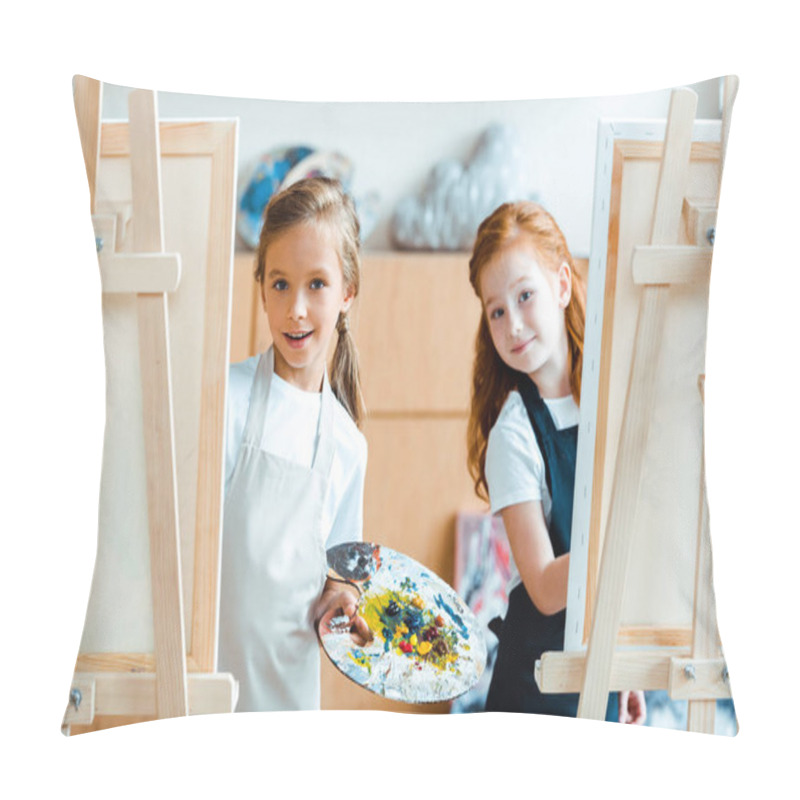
(524, 305)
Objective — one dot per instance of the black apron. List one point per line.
(526, 633)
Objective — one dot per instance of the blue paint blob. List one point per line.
(413, 619)
(455, 617)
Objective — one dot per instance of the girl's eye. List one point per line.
(525, 295)
(496, 313)
(280, 285)
(317, 283)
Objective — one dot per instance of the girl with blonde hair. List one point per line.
(522, 439)
(295, 457)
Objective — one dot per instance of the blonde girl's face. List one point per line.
(524, 305)
(303, 294)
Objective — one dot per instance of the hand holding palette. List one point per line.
(427, 646)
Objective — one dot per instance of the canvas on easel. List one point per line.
(641, 595)
(659, 602)
(166, 309)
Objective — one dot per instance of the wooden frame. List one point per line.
(612, 296)
(697, 672)
(215, 142)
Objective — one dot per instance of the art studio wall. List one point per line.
(393, 146)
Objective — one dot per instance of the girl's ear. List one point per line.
(347, 299)
(263, 292)
(564, 284)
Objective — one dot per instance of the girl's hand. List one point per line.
(339, 600)
(632, 709)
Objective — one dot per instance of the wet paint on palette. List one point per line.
(455, 617)
(427, 646)
(355, 562)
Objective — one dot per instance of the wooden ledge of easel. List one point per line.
(139, 273)
(132, 273)
(671, 264)
(651, 670)
(128, 694)
(700, 216)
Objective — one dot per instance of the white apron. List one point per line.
(274, 563)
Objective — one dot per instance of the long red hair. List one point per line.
(492, 378)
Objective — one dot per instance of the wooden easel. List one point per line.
(698, 674)
(149, 273)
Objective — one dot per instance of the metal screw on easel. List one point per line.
(98, 243)
(689, 672)
(75, 698)
(710, 233)
(725, 675)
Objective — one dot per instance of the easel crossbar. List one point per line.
(120, 694)
(683, 677)
(671, 264)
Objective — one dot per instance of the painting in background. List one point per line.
(481, 579)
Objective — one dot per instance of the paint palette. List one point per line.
(427, 645)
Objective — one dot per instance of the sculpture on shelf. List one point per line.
(280, 168)
(456, 198)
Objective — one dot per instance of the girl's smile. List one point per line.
(298, 339)
(522, 347)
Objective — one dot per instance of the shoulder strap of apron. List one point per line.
(259, 392)
(323, 459)
(543, 426)
(257, 416)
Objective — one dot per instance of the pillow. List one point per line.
(180, 305)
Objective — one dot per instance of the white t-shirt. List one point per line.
(291, 431)
(515, 470)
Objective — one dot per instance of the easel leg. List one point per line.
(162, 498)
(88, 94)
(705, 637)
(624, 501)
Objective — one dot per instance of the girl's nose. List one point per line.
(297, 309)
(514, 323)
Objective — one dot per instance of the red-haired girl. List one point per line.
(522, 439)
